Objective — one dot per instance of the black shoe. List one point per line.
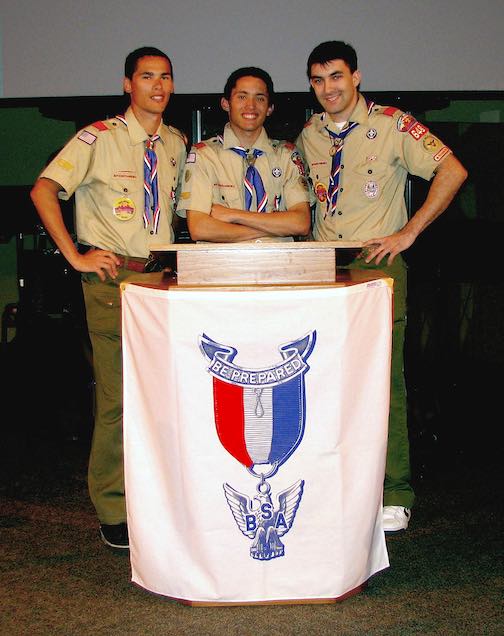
(115, 536)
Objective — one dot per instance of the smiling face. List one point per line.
(150, 88)
(248, 106)
(336, 88)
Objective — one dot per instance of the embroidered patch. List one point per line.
(418, 131)
(276, 172)
(66, 165)
(442, 153)
(298, 161)
(405, 122)
(191, 157)
(371, 133)
(87, 137)
(185, 195)
(321, 192)
(187, 175)
(431, 143)
(371, 189)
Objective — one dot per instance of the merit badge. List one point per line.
(276, 172)
(371, 189)
(321, 192)
(405, 122)
(124, 209)
(298, 161)
(371, 133)
(260, 419)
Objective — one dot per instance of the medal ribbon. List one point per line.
(252, 180)
(151, 193)
(337, 148)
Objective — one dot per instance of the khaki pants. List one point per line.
(106, 464)
(397, 487)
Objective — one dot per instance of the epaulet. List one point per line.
(179, 133)
(100, 125)
(200, 145)
(389, 111)
(289, 145)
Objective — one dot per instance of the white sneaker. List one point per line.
(395, 518)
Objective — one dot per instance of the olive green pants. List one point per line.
(106, 463)
(397, 487)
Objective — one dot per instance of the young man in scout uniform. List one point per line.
(234, 180)
(124, 172)
(359, 155)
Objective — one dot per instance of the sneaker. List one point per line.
(115, 536)
(395, 518)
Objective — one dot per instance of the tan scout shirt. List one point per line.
(376, 158)
(103, 165)
(214, 174)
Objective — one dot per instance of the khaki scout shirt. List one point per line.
(103, 165)
(214, 174)
(376, 158)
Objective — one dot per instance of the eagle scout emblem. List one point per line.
(260, 419)
(371, 189)
(124, 209)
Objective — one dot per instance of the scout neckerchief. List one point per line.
(252, 180)
(336, 151)
(152, 208)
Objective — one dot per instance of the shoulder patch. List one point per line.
(100, 125)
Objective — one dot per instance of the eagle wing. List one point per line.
(288, 503)
(240, 506)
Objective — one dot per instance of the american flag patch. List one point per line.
(87, 137)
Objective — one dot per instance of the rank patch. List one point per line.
(277, 172)
(371, 189)
(371, 133)
(321, 192)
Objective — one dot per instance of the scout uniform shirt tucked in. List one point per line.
(214, 174)
(376, 157)
(103, 165)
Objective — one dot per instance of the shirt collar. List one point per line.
(136, 131)
(231, 140)
(359, 115)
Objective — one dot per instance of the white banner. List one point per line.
(255, 431)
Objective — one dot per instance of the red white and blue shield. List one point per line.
(259, 413)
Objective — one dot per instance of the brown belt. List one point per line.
(132, 263)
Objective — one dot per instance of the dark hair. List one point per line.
(333, 50)
(250, 71)
(131, 62)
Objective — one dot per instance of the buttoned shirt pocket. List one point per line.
(127, 195)
(229, 195)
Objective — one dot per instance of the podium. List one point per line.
(255, 433)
